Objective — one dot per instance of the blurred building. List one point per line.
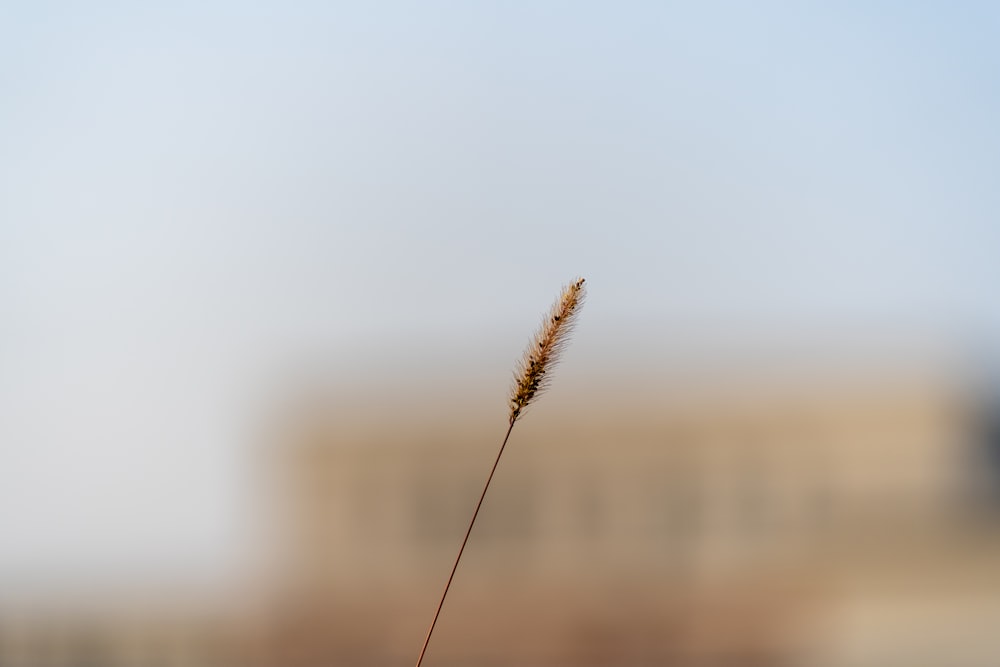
(827, 523)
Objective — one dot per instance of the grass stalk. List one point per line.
(531, 378)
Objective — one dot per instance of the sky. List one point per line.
(195, 194)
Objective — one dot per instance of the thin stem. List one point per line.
(468, 532)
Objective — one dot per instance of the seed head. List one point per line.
(531, 376)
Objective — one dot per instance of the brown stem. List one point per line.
(454, 567)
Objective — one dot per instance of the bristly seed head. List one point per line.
(542, 354)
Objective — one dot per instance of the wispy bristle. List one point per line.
(531, 375)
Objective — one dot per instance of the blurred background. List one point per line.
(265, 269)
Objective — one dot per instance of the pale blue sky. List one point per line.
(195, 191)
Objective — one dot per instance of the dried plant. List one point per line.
(531, 378)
